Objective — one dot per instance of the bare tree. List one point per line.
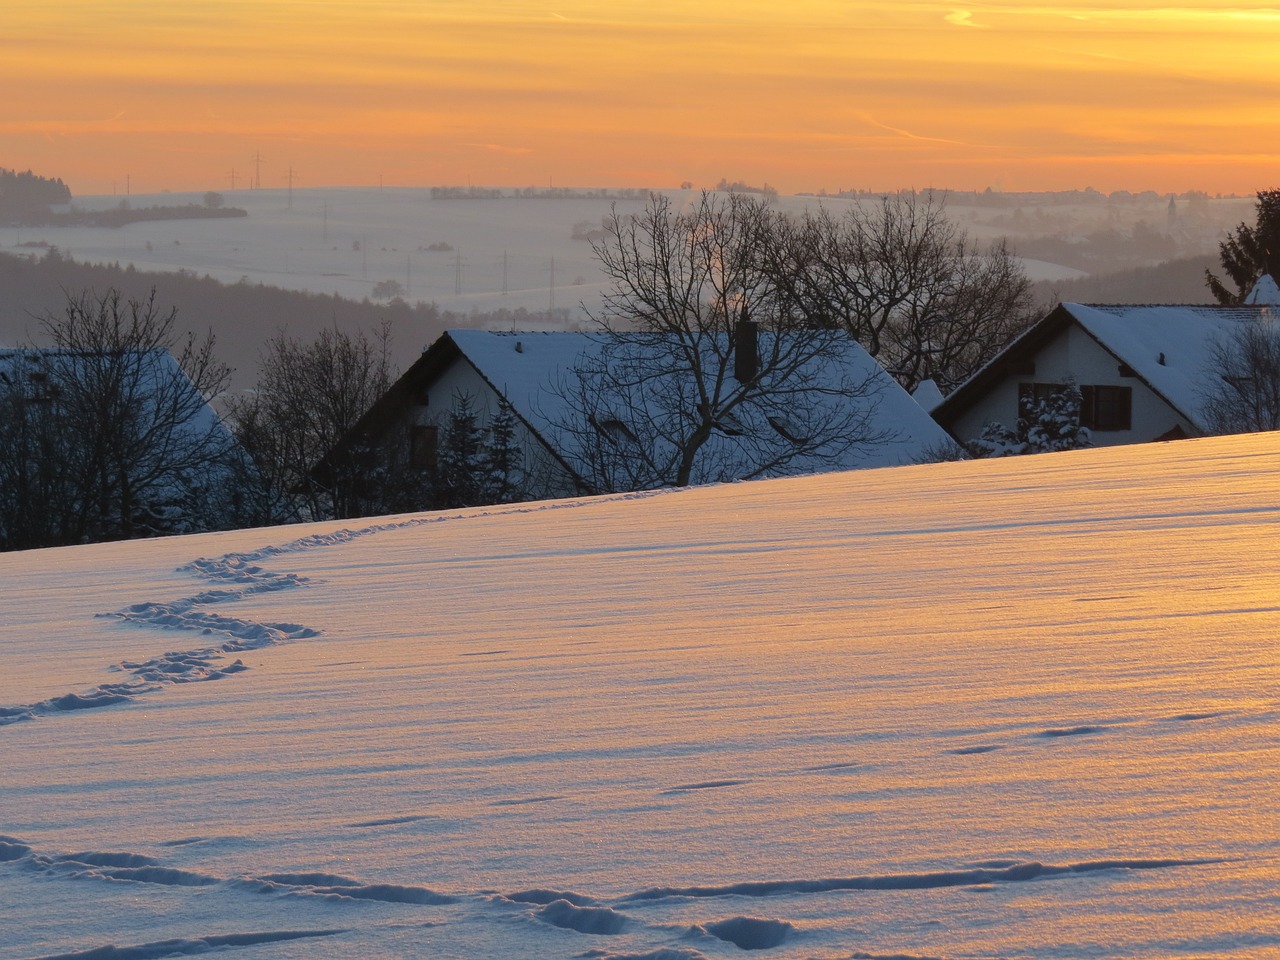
(909, 286)
(309, 397)
(1244, 396)
(110, 430)
(701, 371)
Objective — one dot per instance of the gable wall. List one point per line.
(1073, 353)
(547, 478)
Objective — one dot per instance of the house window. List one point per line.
(1106, 408)
(1102, 408)
(424, 444)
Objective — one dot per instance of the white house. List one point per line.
(533, 373)
(1143, 371)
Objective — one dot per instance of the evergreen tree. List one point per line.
(1250, 253)
(460, 469)
(502, 457)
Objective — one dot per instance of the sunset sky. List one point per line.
(809, 94)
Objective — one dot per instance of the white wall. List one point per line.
(1075, 354)
(546, 476)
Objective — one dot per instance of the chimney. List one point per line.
(746, 349)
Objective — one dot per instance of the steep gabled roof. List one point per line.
(1168, 348)
(529, 370)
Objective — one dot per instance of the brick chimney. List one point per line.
(746, 349)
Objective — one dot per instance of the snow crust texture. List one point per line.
(1018, 709)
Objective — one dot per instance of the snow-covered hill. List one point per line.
(1015, 708)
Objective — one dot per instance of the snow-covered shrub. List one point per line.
(1052, 423)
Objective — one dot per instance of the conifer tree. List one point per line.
(502, 457)
(461, 464)
(1250, 253)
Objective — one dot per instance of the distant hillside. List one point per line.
(1176, 281)
(25, 195)
(243, 316)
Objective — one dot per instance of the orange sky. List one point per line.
(807, 94)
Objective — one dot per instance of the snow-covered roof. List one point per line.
(530, 368)
(1264, 291)
(1169, 347)
(151, 367)
(927, 395)
(526, 368)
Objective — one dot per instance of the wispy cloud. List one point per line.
(907, 134)
(963, 18)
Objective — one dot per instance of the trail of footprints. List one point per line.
(237, 576)
(564, 910)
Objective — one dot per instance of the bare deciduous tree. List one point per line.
(308, 398)
(698, 341)
(1245, 395)
(909, 286)
(108, 434)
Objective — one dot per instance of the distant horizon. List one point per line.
(818, 193)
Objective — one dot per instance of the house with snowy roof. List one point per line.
(107, 444)
(536, 379)
(1144, 371)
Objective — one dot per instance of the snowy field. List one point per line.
(1026, 708)
(463, 255)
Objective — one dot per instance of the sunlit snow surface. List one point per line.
(1016, 708)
